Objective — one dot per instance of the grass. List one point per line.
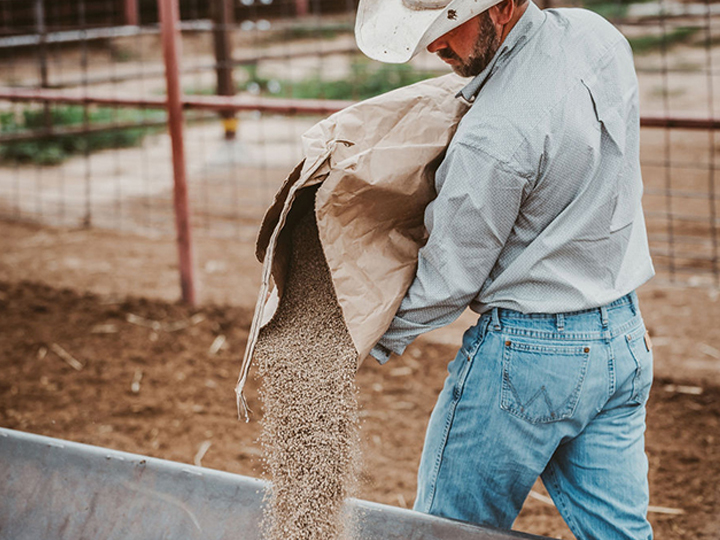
(56, 149)
(660, 91)
(365, 81)
(305, 30)
(326, 31)
(122, 54)
(611, 9)
(618, 10)
(650, 43)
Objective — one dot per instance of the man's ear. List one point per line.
(502, 13)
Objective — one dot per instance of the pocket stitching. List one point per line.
(572, 400)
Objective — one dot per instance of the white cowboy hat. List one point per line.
(394, 31)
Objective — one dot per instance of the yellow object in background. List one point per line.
(230, 126)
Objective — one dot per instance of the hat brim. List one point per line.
(388, 31)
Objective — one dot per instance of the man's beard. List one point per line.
(485, 48)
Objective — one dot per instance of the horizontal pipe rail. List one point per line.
(681, 218)
(209, 103)
(682, 255)
(693, 271)
(276, 105)
(675, 122)
(681, 239)
(92, 34)
(679, 193)
(680, 165)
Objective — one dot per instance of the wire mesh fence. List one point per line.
(83, 123)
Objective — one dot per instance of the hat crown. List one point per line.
(394, 31)
(425, 4)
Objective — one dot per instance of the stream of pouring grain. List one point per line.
(310, 424)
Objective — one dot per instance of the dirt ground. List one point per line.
(151, 381)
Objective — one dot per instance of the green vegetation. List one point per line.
(325, 31)
(661, 91)
(651, 43)
(610, 10)
(120, 53)
(303, 29)
(616, 10)
(55, 149)
(365, 81)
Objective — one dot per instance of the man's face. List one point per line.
(469, 47)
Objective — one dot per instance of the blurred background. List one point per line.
(138, 154)
(83, 130)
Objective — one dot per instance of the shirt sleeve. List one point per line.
(477, 204)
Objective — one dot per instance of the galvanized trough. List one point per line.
(61, 490)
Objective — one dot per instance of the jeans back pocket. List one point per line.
(541, 382)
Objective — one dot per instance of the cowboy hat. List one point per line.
(394, 31)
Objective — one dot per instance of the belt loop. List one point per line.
(484, 324)
(560, 320)
(496, 319)
(633, 302)
(604, 317)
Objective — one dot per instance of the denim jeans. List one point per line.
(557, 396)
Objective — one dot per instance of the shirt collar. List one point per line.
(518, 37)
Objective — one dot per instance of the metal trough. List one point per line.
(52, 488)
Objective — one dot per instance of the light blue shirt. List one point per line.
(538, 197)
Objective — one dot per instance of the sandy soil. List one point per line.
(69, 288)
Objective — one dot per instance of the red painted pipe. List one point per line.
(210, 103)
(679, 122)
(302, 8)
(131, 13)
(169, 17)
(277, 105)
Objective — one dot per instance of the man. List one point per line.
(538, 227)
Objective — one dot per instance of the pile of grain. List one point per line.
(310, 425)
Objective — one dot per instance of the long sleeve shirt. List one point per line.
(538, 197)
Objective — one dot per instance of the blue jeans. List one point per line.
(557, 396)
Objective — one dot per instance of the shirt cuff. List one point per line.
(380, 353)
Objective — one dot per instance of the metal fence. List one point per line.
(85, 95)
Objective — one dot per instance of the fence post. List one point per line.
(169, 17)
(302, 7)
(41, 29)
(222, 15)
(132, 17)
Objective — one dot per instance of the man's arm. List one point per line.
(468, 223)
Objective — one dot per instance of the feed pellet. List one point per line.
(309, 438)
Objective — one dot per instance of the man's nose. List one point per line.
(439, 44)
